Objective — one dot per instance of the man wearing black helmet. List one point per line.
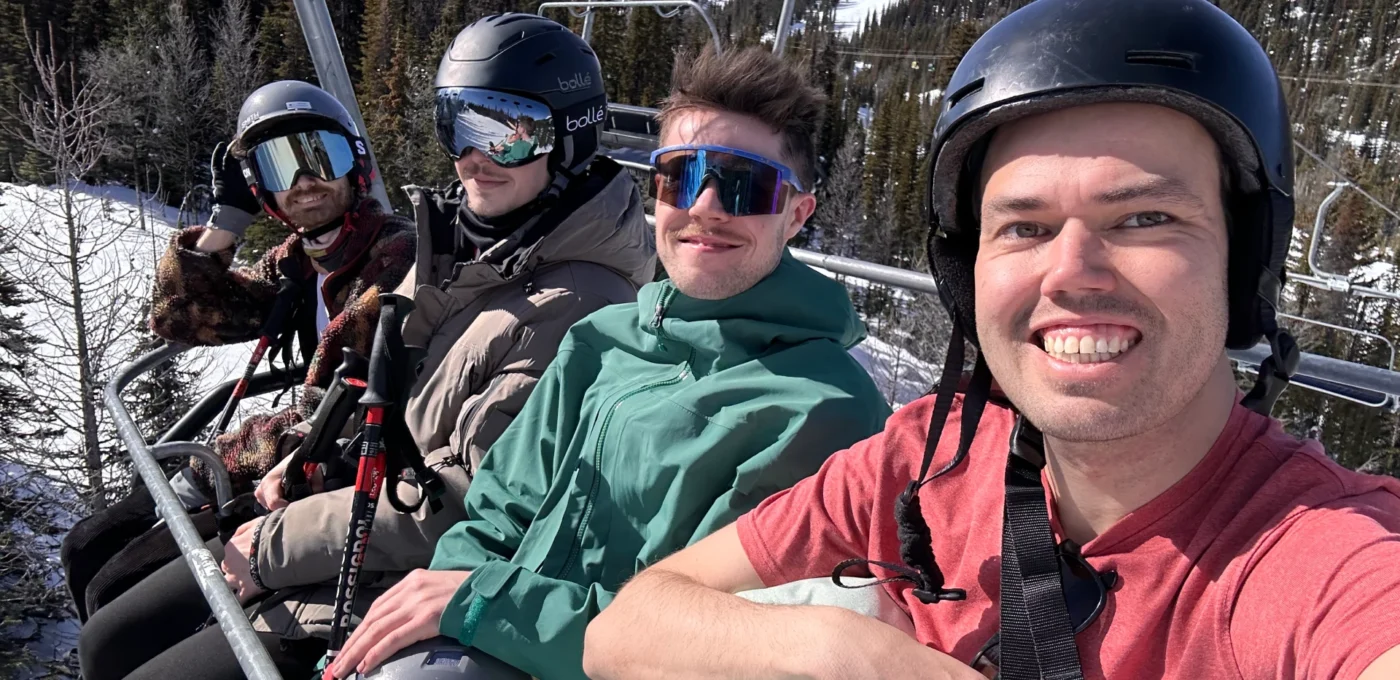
(296, 156)
(540, 232)
(1112, 188)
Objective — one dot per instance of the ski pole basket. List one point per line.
(253, 659)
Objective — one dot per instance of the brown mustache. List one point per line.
(1089, 305)
(692, 232)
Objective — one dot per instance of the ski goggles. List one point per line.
(508, 129)
(278, 162)
(748, 184)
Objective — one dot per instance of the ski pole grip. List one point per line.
(378, 390)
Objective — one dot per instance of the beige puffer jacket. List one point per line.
(490, 331)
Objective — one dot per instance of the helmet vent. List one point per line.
(964, 91)
(1179, 60)
(544, 58)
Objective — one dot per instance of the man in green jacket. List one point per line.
(662, 421)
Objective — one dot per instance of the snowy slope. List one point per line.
(900, 376)
(128, 233)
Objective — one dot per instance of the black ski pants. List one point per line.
(155, 630)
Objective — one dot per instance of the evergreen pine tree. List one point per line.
(158, 398)
(236, 66)
(281, 45)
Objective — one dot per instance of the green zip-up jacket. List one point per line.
(656, 424)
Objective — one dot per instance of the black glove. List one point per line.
(235, 206)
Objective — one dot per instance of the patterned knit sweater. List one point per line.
(199, 299)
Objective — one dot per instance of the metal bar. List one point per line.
(1344, 329)
(1365, 377)
(199, 415)
(877, 273)
(587, 33)
(784, 26)
(1318, 222)
(714, 34)
(253, 659)
(223, 489)
(330, 71)
(1342, 175)
(1339, 285)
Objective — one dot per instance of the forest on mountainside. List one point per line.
(161, 81)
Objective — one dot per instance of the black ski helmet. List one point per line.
(1187, 55)
(442, 658)
(533, 56)
(290, 106)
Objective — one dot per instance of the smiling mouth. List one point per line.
(309, 199)
(706, 243)
(1095, 344)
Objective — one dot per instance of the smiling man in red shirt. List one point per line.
(1112, 205)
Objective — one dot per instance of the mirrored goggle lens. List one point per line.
(319, 153)
(745, 186)
(509, 130)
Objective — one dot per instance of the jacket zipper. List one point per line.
(661, 305)
(577, 545)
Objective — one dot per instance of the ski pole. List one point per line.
(370, 479)
(287, 294)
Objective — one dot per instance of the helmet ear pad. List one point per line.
(953, 258)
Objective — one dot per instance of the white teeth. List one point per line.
(1087, 349)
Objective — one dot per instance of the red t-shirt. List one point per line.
(1267, 560)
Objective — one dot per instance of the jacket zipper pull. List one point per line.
(659, 317)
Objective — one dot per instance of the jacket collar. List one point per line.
(792, 305)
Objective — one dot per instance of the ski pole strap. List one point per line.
(1037, 634)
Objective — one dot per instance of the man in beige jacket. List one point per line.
(507, 261)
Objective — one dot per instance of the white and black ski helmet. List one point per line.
(532, 56)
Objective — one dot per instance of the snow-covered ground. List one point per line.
(900, 376)
(125, 234)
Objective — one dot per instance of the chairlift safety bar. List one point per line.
(252, 658)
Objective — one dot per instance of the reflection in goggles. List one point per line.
(746, 184)
(279, 162)
(510, 130)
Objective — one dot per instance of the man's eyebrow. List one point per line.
(1163, 188)
(1013, 204)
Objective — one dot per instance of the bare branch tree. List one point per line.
(73, 249)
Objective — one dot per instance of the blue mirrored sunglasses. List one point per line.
(747, 183)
